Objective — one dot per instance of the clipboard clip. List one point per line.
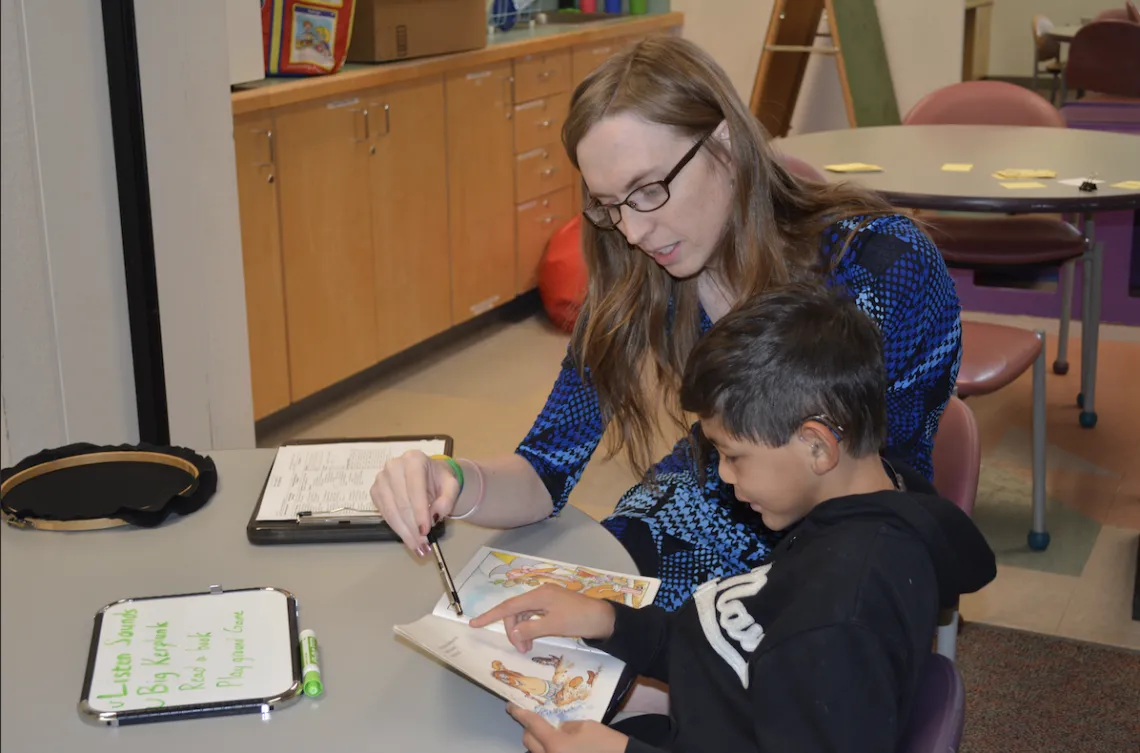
(332, 517)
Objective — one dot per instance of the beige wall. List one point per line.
(1011, 33)
(733, 31)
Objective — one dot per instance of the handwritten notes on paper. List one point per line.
(853, 167)
(183, 650)
(328, 478)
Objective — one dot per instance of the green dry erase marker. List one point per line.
(310, 669)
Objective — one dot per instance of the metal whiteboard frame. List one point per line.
(195, 710)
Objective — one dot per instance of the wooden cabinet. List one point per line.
(409, 214)
(541, 171)
(538, 221)
(480, 153)
(542, 75)
(585, 58)
(381, 206)
(326, 242)
(254, 154)
(539, 122)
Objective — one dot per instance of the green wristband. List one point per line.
(455, 468)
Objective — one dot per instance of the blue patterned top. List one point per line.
(894, 273)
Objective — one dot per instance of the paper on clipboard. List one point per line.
(331, 478)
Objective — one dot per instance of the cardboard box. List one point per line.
(385, 30)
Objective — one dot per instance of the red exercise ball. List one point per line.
(562, 275)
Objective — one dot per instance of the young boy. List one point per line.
(822, 648)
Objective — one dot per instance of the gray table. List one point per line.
(380, 694)
(912, 158)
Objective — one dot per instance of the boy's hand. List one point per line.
(550, 610)
(540, 736)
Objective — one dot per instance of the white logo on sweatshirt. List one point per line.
(722, 614)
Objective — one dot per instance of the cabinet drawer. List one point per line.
(587, 57)
(539, 122)
(539, 76)
(537, 221)
(541, 171)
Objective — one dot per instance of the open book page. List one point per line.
(494, 575)
(560, 684)
(332, 478)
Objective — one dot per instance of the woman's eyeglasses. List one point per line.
(646, 198)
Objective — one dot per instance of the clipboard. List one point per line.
(185, 656)
(326, 526)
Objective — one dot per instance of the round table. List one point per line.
(1064, 33)
(912, 158)
(380, 693)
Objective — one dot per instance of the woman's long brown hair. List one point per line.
(625, 341)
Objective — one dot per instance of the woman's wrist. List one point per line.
(470, 471)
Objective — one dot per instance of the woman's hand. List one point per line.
(413, 492)
(550, 610)
(540, 736)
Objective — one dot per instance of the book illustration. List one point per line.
(559, 684)
(561, 678)
(495, 575)
(559, 692)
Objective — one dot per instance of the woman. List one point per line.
(689, 214)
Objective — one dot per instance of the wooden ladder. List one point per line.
(857, 44)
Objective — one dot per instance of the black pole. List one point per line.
(124, 85)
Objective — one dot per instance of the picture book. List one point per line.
(561, 679)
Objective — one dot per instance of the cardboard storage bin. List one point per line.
(386, 30)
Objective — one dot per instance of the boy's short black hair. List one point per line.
(786, 355)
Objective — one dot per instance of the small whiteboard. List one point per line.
(213, 653)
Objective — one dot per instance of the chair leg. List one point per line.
(1068, 273)
(1090, 324)
(947, 640)
(1038, 536)
(1053, 90)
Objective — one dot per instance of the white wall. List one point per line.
(920, 61)
(64, 334)
(184, 63)
(1011, 30)
(64, 339)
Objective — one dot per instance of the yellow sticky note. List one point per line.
(956, 167)
(1020, 174)
(1131, 185)
(853, 167)
(1024, 184)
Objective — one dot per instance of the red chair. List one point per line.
(1104, 59)
(938, 716)
(1002, 242)
(957, 464)
(993, 356)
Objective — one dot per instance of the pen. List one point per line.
(311, 671)
(452, 594)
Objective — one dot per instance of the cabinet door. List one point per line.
(261, 258)
(481, 190)
(326, 234)
(409, 214)
(585, 58)
(538, 221)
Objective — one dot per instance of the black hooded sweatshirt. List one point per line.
(821, 649)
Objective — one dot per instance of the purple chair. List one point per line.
(939, 712)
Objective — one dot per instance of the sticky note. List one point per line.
(957, 167)
(853, 167)
(1024, 184)
(1132, 185)
(1020, 174)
